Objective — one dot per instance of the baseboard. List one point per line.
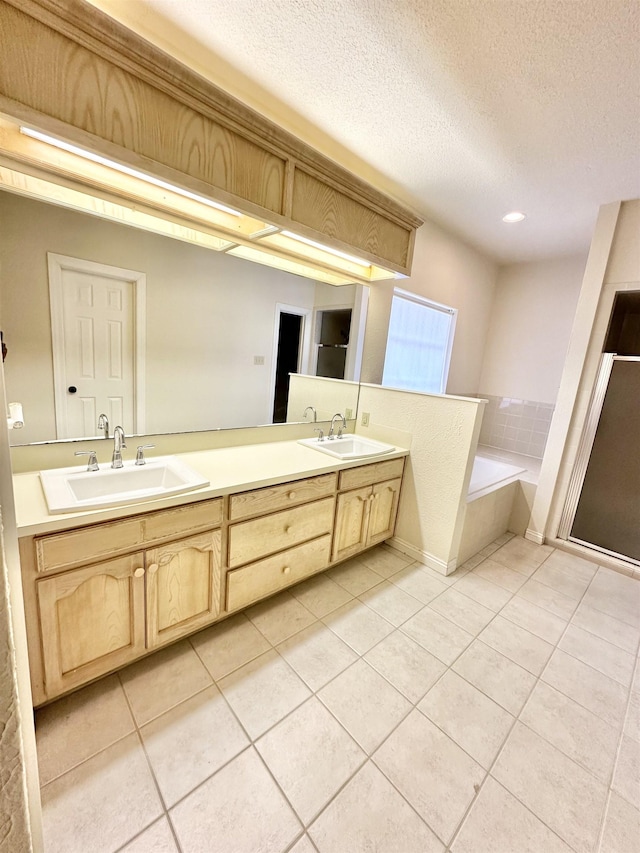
(424, 557)
(534, 536)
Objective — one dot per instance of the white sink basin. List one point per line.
(348, 447)
(75, 488)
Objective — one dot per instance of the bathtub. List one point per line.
(492, 498)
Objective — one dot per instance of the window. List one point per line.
(418, 344)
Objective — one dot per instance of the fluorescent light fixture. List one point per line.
(322, 248)
(514, 216)
(111, 164)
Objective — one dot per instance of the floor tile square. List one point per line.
(616, 595)
(354, 576)
(369, 814)
(599, 654)
(500, 575)
(320, 595)
(102, 803)
(557, 790)
(575, 731)
(626, 777)
(469, 717)
(432, 772)
(463, 611)
(352, 698)
(311, 757)
(483, 591)
(241, 807)
(317, 655)
(229, 645)
(403, 662)
(612, 630)
(521, 555)
(390, 602)
(621, 827)
(437, 635)
(520, 646)
(158, 838)
(573, 564)
(590, 688)
(280, 617)
(498, 823)
(162, 680)
(549, 599)
(74, 728)
(385, 561)
(263, 691)
(534, 619)
(358, 626)
(500, 678)
(560, 578)
(190, 742)
(419, 583)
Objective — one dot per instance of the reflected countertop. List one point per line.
(229, 469)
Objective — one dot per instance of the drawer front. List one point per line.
(258, 580)
(273, 498)
(251, 540)
(366, 475)
(182, 520)
(88, 544)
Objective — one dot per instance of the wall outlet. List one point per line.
(258, 359)
(348, 413)
(365, 419)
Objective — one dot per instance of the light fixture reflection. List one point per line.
(514, 216)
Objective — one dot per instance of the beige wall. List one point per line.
(446, 270)
(208, 315)
(533, 312)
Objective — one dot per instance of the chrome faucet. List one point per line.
(344, 426)
(103, 423)
(315, 416)
(118, 444)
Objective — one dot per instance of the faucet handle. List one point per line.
(140, 460)
(92, 464)
(320, 434)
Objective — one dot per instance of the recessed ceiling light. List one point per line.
(514, 216)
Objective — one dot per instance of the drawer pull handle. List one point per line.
(292, 495)
(286, 570)
(153, 568)
(287, 528)
(138, 573)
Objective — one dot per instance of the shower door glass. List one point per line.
(608, 510)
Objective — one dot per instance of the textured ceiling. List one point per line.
(464, 109)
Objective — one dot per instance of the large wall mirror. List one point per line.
(202, 327)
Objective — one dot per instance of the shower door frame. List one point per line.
(583, 455)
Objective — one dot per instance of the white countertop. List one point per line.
(228, 469)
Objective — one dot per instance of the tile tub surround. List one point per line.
(496, 711)
(521, 426)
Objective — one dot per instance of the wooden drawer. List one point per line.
(265, 577)
(272, 498)
(366, 475)
(251, 540)
(98, 541)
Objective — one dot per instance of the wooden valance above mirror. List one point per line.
(72, 72)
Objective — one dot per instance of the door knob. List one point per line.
(72, 389)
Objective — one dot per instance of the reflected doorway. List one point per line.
(289, 355)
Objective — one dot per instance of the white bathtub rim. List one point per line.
(510, 474)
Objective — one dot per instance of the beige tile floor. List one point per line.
(378, 707)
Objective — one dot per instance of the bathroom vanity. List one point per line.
(104, 589)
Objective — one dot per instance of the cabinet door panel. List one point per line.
(352, 517)
(92, 621)
(384, 508)
(183, 587)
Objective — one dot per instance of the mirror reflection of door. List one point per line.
(333, 340)
(287, 361)
(93, 309)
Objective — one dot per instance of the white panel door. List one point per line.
(94, 343)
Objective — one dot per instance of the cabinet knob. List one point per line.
(138, 573)
(286, 570)
(292, 495)
(287, 528)
(153, 568)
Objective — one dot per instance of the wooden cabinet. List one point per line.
(91, 621)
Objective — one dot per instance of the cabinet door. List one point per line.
(183, 587)
(352, 516)
(91, 621)
(383, 511)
